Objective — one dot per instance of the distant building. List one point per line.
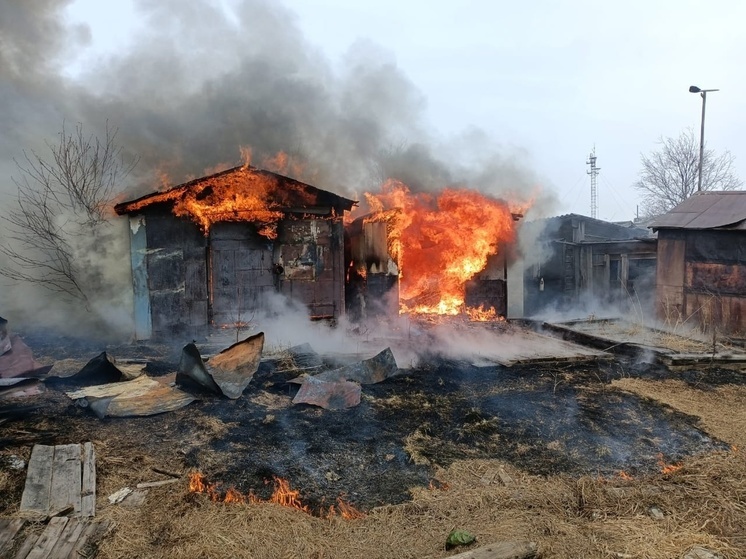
(588, 261)
(701, 275)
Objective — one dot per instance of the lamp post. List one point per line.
(703, 93)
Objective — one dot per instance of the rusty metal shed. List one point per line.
(701, 273)
(210, 252)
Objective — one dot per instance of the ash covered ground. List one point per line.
(544, 419)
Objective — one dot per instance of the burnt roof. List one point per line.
(288, 193)
(706, 210)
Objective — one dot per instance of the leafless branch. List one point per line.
(65, 196)
(669, 175)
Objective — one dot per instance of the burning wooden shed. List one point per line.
(587, 259)
(440, 253)
(210, 252)
(701, 274)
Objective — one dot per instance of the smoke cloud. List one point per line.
(200, 82)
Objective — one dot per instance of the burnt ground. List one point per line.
(542, 420)
(547, 419)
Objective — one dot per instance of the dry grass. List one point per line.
(721, 409)
(211, 427)
(570, 518)
(11, 480)
(678, 338)
(704, 504)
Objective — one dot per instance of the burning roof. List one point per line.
(242, 193)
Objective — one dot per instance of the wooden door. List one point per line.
(240, 273)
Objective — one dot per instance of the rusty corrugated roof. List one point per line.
(706, 210)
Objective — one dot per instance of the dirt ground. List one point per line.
(569, 456)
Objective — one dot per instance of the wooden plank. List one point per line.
(36, 492)
(89, 538)
(66, 478)
(35, 516)
(68, 539)
(9, 527)
(88, 490)
(501, 550)
(28, 543)
(48, 539)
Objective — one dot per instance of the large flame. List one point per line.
(282, 495)
(440, 242)
(243, 196)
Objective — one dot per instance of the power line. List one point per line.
(620, 199)
(572, 191)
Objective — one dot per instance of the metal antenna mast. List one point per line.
(594, 191)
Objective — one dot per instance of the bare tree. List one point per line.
(61, 200)
(669, 175)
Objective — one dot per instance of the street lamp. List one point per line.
(703, 93)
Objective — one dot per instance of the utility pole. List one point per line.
(593, 173)
(703, 93)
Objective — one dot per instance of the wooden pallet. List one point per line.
(59, 477)
(61, 538)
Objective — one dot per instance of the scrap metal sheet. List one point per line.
(368, 371)
(233, 368)
(142, 396)
(305, 357)
(20, 387)
(229, 372)
(330, 395)
(19, 361)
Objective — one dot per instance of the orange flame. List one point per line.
(437, 484)
(480, 314)
(197, 483)
(440, 242)
(286, 497)
(243, 196)
(346, 510)
(625, 476)
(234, 496)
(667, 468)
(282, 495)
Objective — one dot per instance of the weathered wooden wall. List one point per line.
(702, 278)
(177, 275)
(186, 282)
(311, 253)
(669, 280)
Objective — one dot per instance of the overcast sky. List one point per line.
(546, 80)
